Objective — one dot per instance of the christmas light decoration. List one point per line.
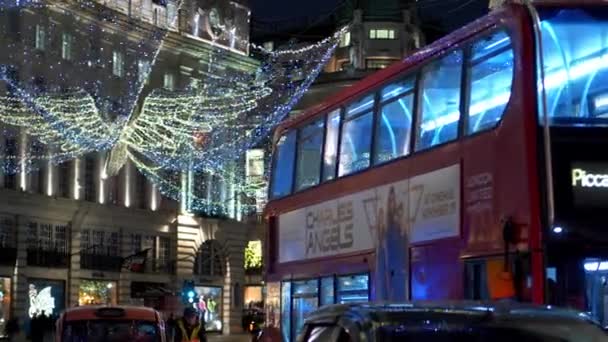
(196, 131)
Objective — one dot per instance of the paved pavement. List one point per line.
(229, 338)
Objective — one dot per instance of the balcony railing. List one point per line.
(101, 262)
(8, 256)
(53, 258)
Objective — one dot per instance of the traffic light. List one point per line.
(189, 295)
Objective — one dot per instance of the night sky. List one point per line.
(273, 10)
(438, 17)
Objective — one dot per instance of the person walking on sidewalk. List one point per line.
(190, 328)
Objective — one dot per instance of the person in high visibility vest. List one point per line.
(190, 328)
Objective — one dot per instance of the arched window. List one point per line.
(210, 259)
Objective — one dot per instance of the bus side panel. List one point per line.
(436, 270)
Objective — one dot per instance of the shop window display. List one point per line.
(97, 292)
(209, 306)
(46, 297)
(5, 303)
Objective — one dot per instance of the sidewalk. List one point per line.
(229, 338)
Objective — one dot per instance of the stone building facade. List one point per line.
(70, 236)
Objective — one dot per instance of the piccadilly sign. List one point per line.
(589, 184)
(585, 179)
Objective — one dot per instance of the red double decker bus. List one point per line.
(472, 169)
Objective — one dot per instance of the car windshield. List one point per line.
(529, 330)
(111, 331)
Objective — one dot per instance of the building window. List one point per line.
(169, 81)
(253, 256)
(7, 233)
(282, 175)
(440, 101)
(356, 139)
(394, 126)
(47, 237)
(67, 41)
(372, 63)
(310, 143)
(64, 179)
(89, 179)
(143, 70)
(99, 242)
(164, 255)
(141, 190)
(269, 46)
(382, 34)
(209, 259)
(345, 39)
(40, 42)
(10, 163)
(118, 64)
(491, 77)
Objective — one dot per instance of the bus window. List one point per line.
(491, 70)
(440, 106)
(310, 141)
(575, 65)
(282, 175)
(330, 156)
(395, 121)
(355, 143)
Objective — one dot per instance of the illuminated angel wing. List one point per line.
(70, 123)
(172, 126)
(45, 302)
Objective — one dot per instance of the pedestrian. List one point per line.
(190, 328)
(11, 330)
(171, 327)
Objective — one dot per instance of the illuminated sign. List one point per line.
(580, 177)
(589, 182)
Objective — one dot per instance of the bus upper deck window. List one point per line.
(575, 62)
(491, 72)
(440, 101)
(283, 165)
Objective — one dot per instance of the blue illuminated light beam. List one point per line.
(391, 133)
(497, 43)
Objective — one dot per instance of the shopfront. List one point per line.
(5, 303)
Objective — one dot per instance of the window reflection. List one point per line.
(282, 175)
(309, 155)
(286, 310)
(440, 101)
(331, 145)
(491, 73)
(355, 144)
(327, 290)
(353, 288)
(395, 122)
(575, 65)
(356, 138)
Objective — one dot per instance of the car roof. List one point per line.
(91, 313)
(460, 309)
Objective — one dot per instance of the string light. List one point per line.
(200, 130)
